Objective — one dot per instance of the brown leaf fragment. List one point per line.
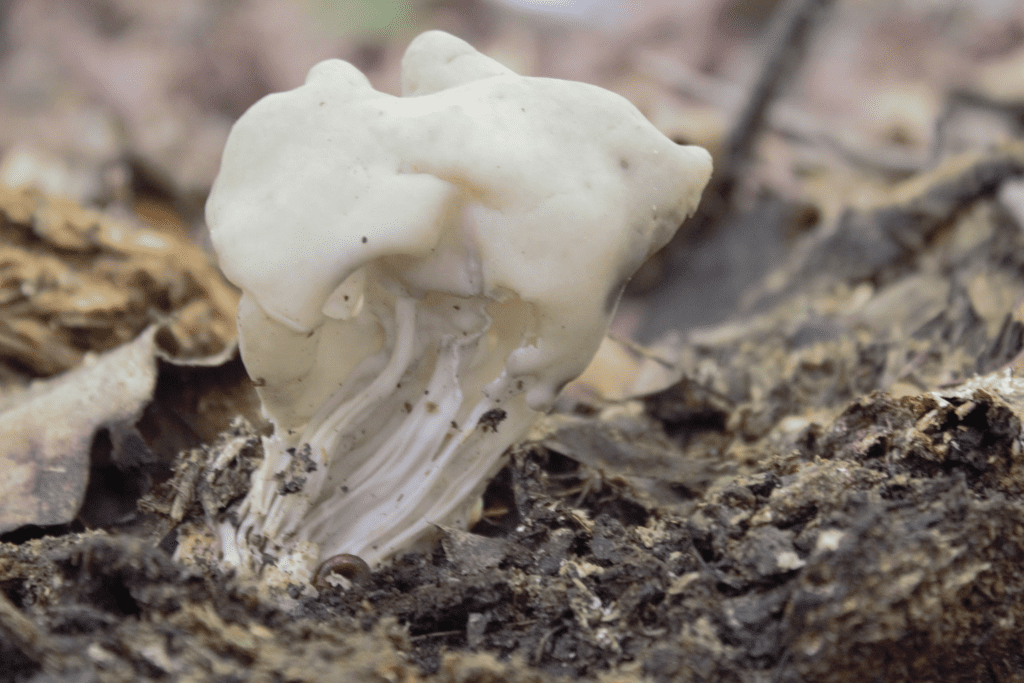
(48, 431)
(27, 340)
(66, 225)
(74, 280)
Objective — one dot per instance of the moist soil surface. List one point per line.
(829, 490)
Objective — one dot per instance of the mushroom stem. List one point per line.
(406, 458)
(267, 510)
(409, 449)
(330, 435)
(357, 408)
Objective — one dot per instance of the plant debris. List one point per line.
(49, 430)
(75, 280)
(820, 497)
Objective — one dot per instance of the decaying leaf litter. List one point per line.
(820, 495)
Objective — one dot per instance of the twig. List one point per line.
(865, 242)
(642, 351)
(788, 37)
(438, 634)
(961, 99)
(785, 119)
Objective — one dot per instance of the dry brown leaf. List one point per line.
(74, 280)
(48, 431)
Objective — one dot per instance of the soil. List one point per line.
(832, 491)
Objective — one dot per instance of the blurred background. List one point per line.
(124, 105)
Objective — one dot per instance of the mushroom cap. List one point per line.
(477, 182)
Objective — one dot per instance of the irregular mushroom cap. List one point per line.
(500, 216)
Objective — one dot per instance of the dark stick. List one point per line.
(789, 34)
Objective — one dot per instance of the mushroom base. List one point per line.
(408, 443)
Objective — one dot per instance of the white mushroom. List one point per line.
(421, 276)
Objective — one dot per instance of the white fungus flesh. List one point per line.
(421, 276)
